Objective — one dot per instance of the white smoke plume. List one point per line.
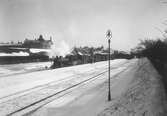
(59, 49)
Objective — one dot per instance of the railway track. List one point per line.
(54, 91)
(39, 87)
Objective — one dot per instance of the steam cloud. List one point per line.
(60, 49)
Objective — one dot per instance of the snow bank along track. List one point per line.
(47, 93)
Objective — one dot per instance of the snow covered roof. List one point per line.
(15, 54)
(100, 52)
(33, 50)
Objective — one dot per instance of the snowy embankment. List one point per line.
(135, 91)
(145, 96)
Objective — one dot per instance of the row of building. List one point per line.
(40, 43)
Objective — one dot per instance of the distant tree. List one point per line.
(153, 49)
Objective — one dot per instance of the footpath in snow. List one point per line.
(137, 91)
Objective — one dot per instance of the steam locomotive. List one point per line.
(77, 59)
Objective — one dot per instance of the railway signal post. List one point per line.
(109, 36)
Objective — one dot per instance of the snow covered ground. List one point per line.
(21, 88)
(136, 90)
(12, 69)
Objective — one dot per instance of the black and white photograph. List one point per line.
(83, 57)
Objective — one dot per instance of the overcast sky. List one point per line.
(82, 22)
